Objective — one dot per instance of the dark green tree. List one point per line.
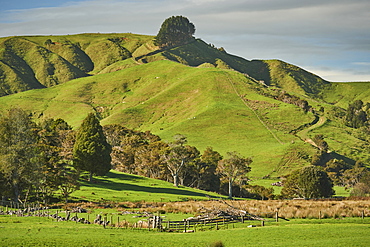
(321, 143)
(335, 169)
(207, 178)
(356, 117)
(55, 159)
(234, 167)
(176, 30)
(308, 182)
(91, 150)
(18, 153)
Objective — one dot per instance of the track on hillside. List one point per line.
(255, 113)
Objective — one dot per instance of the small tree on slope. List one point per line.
(91, 151)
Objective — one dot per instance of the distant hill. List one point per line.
(42, 61)
(214, 98)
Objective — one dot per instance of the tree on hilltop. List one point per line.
(91, 151)
(175, 30)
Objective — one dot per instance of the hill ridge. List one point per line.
(94, 53)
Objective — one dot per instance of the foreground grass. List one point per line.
(34, 231)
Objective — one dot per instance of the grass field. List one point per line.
(121, 187)
(34, 231)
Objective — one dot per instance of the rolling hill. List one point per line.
(214, 98)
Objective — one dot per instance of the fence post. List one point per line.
(320, 215)
(277, 216)
(262, 223)
(362, 214)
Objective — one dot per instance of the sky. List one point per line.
(330, 38)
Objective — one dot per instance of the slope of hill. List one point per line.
(44, 61)
(122, 187)
(214, 98)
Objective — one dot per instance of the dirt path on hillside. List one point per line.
(304, 133)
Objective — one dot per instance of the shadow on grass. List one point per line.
(106, 183)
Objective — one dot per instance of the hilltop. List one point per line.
(214, 98)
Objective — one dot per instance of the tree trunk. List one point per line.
(230, 189)
(16, 192)
(176, 180)
(90, 177)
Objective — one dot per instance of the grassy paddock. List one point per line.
(34, 231)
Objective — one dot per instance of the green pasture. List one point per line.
(121, 187)
(35, 231)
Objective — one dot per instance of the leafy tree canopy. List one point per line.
(308, 182)
(176, 30)
(234, 167)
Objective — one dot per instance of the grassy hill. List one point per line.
(122, 187)
(214, 98)
(168, 98)
(43, 61)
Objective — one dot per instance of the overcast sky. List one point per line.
(330, 38)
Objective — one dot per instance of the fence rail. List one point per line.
(194, 224)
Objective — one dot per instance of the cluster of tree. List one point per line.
(35, 160)
(174, 31)
(357, 114)
(40, 161)
(292, 99)
(308, 182)
(146, 154)
(317, 180)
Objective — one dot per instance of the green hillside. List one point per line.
(122, 187)
(214, 98)
(43, 61)
(167, 98)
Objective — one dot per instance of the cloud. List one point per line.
(345, 75)
(308, 33)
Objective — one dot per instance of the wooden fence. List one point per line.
(192, 225)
